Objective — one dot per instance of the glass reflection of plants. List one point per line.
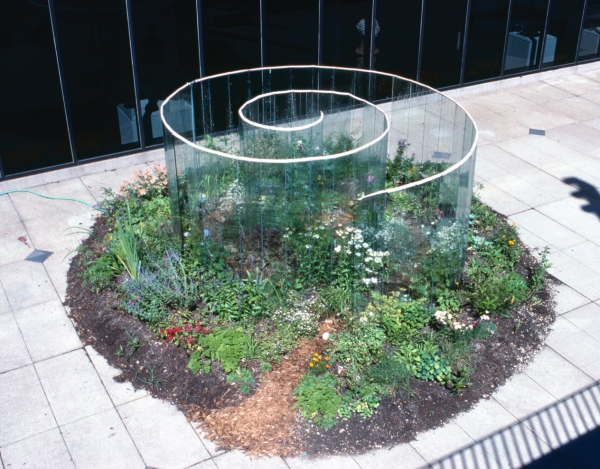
(387, 327)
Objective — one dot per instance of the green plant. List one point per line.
(318, 399)
(228, 346)
(391, 372)
(242, 376)
(120, 351)
(399, 319)
(153, 380)
(537, 277)
(459, 380)
(364, 405)
(134, 343)
(431, 366)
(130, 245)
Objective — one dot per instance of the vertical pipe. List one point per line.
(421, 31)
(61, 79)
(372, 44)
(545, 33)
(136, 87)
(320, 36)
(464, 51)
(585, 5)
(200, 39)
(262, 25)
(506, 37)
(1, 168)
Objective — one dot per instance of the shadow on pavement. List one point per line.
(588, 192)
(565, 435)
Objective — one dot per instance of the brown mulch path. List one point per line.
(265, 423)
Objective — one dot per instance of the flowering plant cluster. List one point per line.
(318, 364)
(146, 184)
(453, 320)
(183, 334)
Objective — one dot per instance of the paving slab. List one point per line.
(51, 233)
(4, 305)
(57, 266)
(582, 223)
(208, 464)
(113, 179)
(101, 441)
(521, 396)
(506, 160)
(522, 190)
(8, 213)
(584, 355)
(26, 284)
(120, 393)
(546, 228)
(30, 206)
(441, 442)
(40, 327)
(587, 253)
(586, 404)
(13, 353)
(322, 462)
(238, 460)
(566, 299)
(586, 318)
(15, 243)
(72, 387)
(172, 444)
(43, 451)
(579, 277)
(24, 410)
(500, 200)
(210, 445)
(74, 189)
(391, 457)
(485, 170)
(557, 375)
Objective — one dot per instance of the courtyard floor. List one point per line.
(61, 408)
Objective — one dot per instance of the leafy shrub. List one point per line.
(399, 319)
(364, 405)
(431, 366)
(100, 272)
(358, 347)
(241, 376)
(391, 372)
(318, 399)
(496, 292)
(228, 346)
(166, 284)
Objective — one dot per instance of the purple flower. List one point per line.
(184, 246)
(120, 218)
(370, 177)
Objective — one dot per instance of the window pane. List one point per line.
(485, 45)
(95, 48)
(397, 44)
(524, 46)
(443, 42)
(33, 129)
(231, 32)
(590, 36)
(347, 33)
(563, 32)
(166, 47)
(291, 32)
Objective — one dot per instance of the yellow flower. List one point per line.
(504, 236)
(326, 366)
(311, 364)
(326, 359)
(110, 238)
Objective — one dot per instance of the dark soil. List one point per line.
(161, 368)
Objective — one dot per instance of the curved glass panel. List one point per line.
(302, 191)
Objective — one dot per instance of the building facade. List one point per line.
(84, 79)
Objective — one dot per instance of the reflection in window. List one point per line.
(94, 41)
(347, 33)
(589, 47)
(563, 32)
(397, 44)
(231, 35)
(524, 45)
(33, 129)
(485, 45)
(166, 46)
(443, 42)
(291, 32)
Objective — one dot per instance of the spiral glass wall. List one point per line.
(314, 176)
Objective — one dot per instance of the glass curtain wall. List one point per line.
(589, 45)
(85, 79)
(33, 128)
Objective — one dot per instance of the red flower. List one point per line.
(188, 328)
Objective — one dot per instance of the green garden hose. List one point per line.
(51, 197)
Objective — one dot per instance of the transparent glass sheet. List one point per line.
(291, 174)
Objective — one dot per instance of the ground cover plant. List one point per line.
(346, 356)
